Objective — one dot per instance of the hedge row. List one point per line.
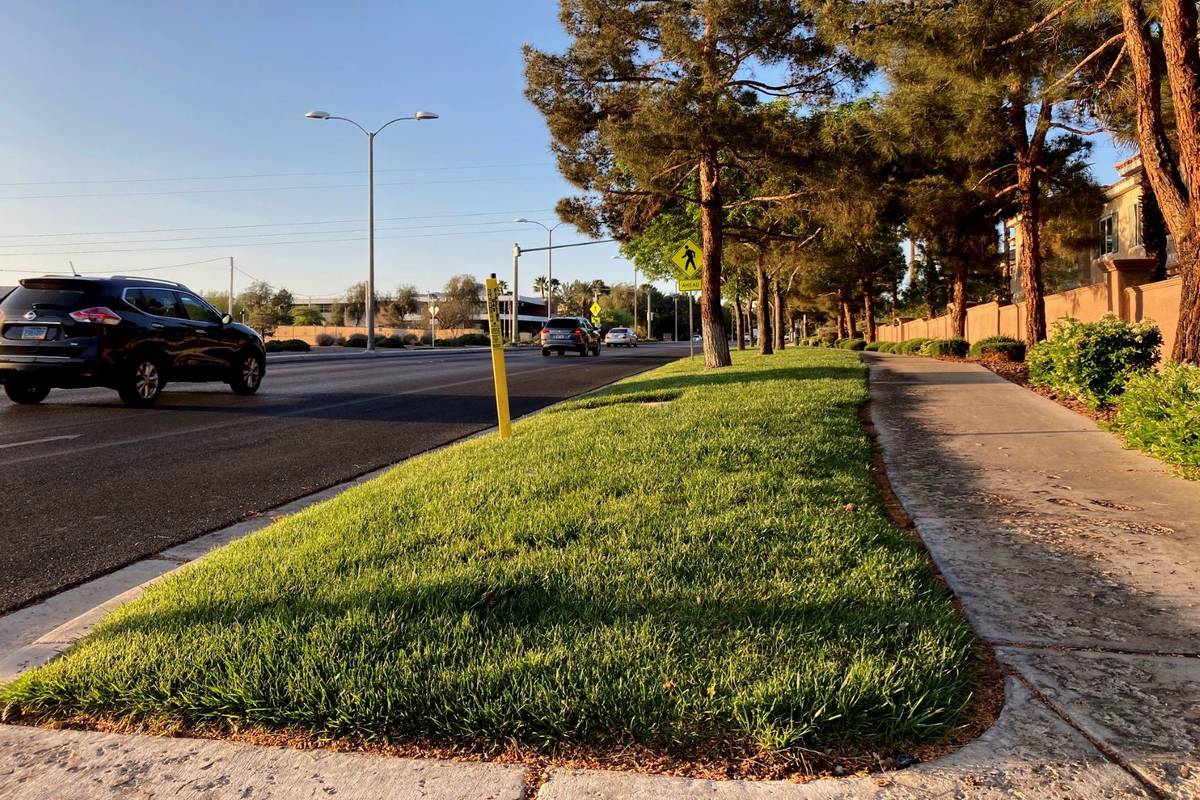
(398, 341)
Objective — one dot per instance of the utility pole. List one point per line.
(231, 286)
(677, 313)
(516, 296)
(649, 289)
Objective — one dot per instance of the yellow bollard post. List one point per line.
(497, 339)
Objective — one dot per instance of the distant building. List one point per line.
(1120, 234)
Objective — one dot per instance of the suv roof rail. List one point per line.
(176, 284)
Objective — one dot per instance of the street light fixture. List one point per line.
(418, 116)
(549, 260)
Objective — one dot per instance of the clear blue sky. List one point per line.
(109, 99)
(148, 90)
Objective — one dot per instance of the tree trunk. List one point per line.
(841, 330)
(869, 312)
(739, 324)
(958, 317)
(848, 317)
(712, 220)
(765, 341)
(1030, 255)
(1187, 331)
(780, 314)
(1180, 210)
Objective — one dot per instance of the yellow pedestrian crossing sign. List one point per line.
(688, 259)
(596, 309)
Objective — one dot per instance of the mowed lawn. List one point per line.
(671, 561)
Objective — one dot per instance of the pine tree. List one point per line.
(654, 103)
(1009, 80)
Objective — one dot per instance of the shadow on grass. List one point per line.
(733, 377)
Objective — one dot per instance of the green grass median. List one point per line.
(671, 561)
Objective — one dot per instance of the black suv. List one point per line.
(570, 333)
(129, 334)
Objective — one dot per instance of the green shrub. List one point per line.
(910, 346)
(469, 340)
(1003, 348)
(887, 347)
(945, 347)
(1159, 412)
(326, 339)
(355, 340)
(1092, 361)
(288, 346)
(411, 339)
(394, 342)
(852, 344)
(873, 347)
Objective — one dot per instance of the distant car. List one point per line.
(129, 334)
(576, 334)
(697, 338)
(620, 337)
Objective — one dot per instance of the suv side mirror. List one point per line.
(226, 319)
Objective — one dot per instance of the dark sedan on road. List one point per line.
(129, 334)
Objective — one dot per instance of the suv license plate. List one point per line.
(34, 332)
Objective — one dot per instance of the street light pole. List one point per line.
(516, 296)
(370, 297)
(677, 314)
(549, 261)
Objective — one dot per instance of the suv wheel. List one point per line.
(25, 394)
(247, 374)
(143, 383)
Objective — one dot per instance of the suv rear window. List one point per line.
(563, 322)
(55, 297)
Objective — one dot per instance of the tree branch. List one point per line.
(1092, 56)
(1045, 22)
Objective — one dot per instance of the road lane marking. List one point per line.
(40, 441)
(253, 419)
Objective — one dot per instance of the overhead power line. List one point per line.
(251, 244)
(253, 235)
(90, 182)
(160, 193)
(271, 224)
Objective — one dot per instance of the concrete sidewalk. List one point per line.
(1077, 560)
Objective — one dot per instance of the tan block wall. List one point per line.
(1158, 302)
(309, 333)
(1087, 303)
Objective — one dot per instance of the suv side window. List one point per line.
(197, 310)
(158, 302)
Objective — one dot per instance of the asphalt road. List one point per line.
(89, 485)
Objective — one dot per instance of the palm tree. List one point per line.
(541, 285)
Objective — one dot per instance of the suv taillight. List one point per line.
(98, 315)
(579, 332)
(545, 330)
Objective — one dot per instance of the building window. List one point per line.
(1108, 235)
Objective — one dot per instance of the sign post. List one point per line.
(499, 376)
(433, 321)
(687, 260)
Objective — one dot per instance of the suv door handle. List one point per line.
(157, 325)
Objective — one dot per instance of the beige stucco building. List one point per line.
(1119, 235)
